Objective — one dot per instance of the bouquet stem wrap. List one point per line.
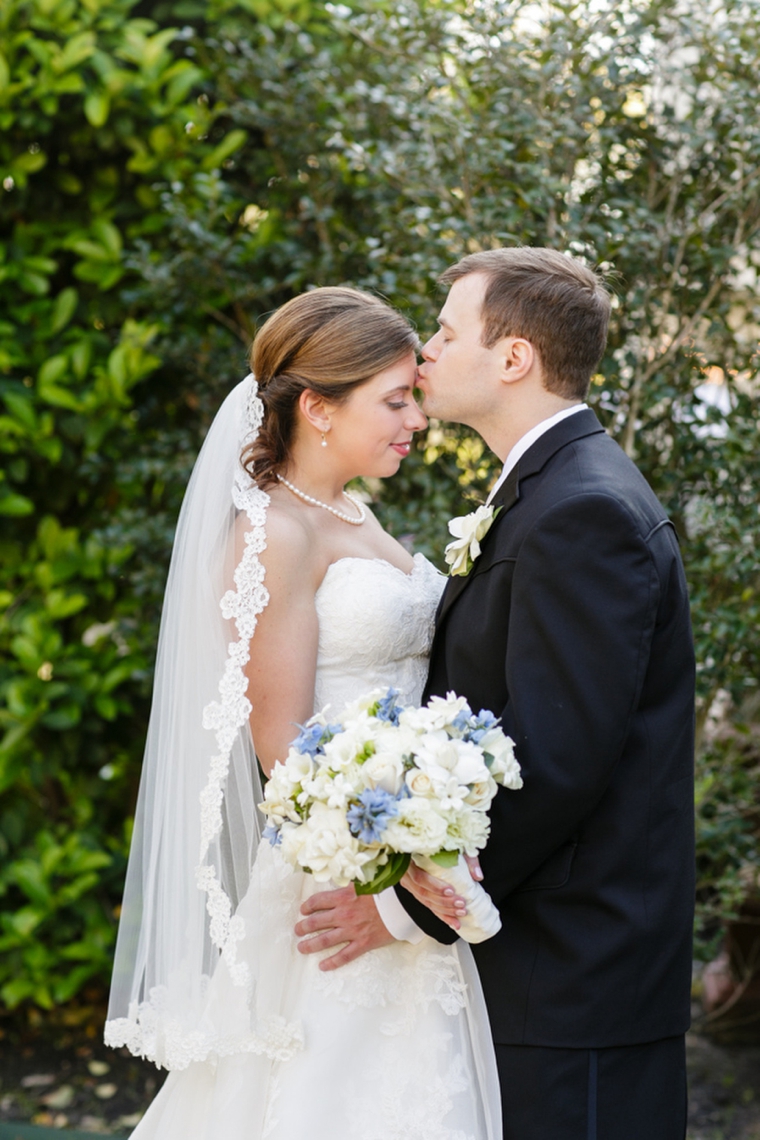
(482, 919)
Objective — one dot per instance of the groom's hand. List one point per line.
(341, 918)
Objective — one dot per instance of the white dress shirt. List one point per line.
(527, 440)
(395, 919)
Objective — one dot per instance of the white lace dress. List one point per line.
(393, 1046)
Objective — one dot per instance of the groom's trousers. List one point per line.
(632, 1092)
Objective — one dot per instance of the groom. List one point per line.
(573, 625)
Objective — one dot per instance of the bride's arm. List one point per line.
(282, 666)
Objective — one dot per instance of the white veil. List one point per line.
(197, 824)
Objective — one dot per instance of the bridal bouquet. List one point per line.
(361, 795)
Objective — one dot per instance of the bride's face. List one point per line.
(372, 431)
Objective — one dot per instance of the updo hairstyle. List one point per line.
(330, 340)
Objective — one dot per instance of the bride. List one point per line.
(285, 595)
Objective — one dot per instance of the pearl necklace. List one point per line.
(326, 506)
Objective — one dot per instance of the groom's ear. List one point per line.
(519, 358)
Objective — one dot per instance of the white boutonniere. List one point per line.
(468, 531)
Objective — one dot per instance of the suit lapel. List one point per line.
(506, 497)
(566, 431)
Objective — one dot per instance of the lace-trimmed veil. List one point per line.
(197, 826)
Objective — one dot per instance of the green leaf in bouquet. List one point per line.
(388, 875)
(446, 858)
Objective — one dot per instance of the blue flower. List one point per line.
(387, 709)
(368, 819)
(312, 736)
(480, 725)
(273, 834)
(462, 720)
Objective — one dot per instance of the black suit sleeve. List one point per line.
(425, 918)
(584, 598)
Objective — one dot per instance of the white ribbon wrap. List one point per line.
(482, 920)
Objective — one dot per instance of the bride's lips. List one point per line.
(402, 448)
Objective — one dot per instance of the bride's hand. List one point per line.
(437, 896)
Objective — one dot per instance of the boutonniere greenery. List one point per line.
(468, 531)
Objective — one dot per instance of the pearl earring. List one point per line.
(324, 441)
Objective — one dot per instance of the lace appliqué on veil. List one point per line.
(230, 714)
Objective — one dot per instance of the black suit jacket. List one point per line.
(574, 626)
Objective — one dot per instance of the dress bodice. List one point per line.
(375, 629)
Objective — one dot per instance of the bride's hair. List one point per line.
(330, 340)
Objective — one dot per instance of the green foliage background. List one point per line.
(170, 173)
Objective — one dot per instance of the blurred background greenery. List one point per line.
(172, 171)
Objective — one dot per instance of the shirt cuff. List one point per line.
(395, 919)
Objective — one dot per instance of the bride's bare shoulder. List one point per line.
(291, 553)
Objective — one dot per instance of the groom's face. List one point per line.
(459, 376)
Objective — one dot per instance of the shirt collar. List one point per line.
(528, 440)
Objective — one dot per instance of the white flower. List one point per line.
(437, 714)
(468, 530)
(443, 759)
(333, 791)
(384, 770)
(292, 839)
(505, 768)
(342, 750)
(482, 793)
(418, 828)
(354, 710)
(298, 766)
(282, 788)
(467, 830)
(325, 846)
(418, 782)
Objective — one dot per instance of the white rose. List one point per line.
(418, 782)
(384, 770)
(505, 768)
(482, 793)
(418, 828)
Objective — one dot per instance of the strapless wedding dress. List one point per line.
(393, 1046)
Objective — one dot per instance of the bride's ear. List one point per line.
(314, 409)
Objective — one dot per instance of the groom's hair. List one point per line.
(560, 305)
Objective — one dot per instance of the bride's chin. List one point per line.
(383, 470)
